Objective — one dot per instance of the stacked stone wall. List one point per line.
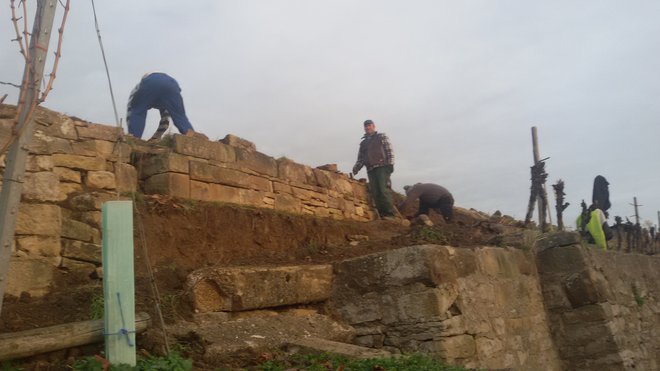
(233, 171)
(72, 168)
(481, 308)
(603, 307)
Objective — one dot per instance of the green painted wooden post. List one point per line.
(118, 282)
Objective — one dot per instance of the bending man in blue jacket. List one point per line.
(160, 91)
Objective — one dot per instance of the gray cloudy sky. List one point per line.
(456, 85)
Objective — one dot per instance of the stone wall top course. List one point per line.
(98, 131)
(238, 142)
(257, 161)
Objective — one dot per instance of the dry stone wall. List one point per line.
(481, 308)
(603, 307)
(233, 171)
(72, 168)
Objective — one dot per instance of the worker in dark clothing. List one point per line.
(160, 91)
(430, 196)
(592, 222)
(376, 154)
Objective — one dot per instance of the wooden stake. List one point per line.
(119, 282)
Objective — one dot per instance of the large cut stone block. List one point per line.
(45, 144)
(177, 185)
(77, 230)
(214, 174)
(31, 275)
(97, 131)
(42, 186)
(100, 180)
(79, 162)
(125, 177)
(238, 142)
(202, 148)
(78, 250)
(152, 164)
(39, 219)
(235, 289)
(257, 161)
(35, 246)
(295, 172)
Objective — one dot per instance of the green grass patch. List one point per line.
(172, 362)
(324, 362)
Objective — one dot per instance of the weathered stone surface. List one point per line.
(91, 201)
(67, 175)
(221, 152)
(215, 174)
(60, 127)
(334, 347)
(460, 346)
(328, 167)
(31, 275)
(92, 218)
(233, 289)
(173, 184)
(96, 131)
(100, 180)
(192, 146)
(295, 172)
(238, 142)
(39, 163)
(39, 219)
(288, 203)
(44, 144)
(82, 251)
(79, 162)
(92, 148)
(557, 239)
(42, 186)
(34, 246)
(76, 230)
(126, 177)
(257, 161)
(153, 164)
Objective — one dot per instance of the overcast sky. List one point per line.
(456, 85)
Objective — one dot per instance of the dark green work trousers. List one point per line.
(378, 179)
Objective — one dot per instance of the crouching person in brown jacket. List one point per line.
(430, 196)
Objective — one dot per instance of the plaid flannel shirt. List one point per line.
(362, 156)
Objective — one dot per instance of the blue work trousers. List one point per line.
(159, 91)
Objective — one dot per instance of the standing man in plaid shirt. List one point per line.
(376, 154)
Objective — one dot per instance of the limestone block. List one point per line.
(93, 218)
(76, 230)
(328, 167)
(557, 239)
(279, 187)
(121, 152)
(58, 127)
(67, 175)
(153, 164)
(256, 161)
(221, 152)
(213, 192)
(41, 186)
(77, 267)
(501, 262)
(83, 251)
(366, 310)
(48, 246)
(100, 180)
(488, 348)
(234, 289)
(173, 184)
(67, 189)
(238, 142)
(39, 163)
(561, 259)
(39, 219)
(41, 143)
(286, 202)
(581, 289)
(79, 162)
(427, 304)
(97, 131)
(460, 346)
(92, 148)
(294, 172)
(319, 345)
(126, 177)
(31, 275)
(588, 313)
(215, 174)
(192, 146)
